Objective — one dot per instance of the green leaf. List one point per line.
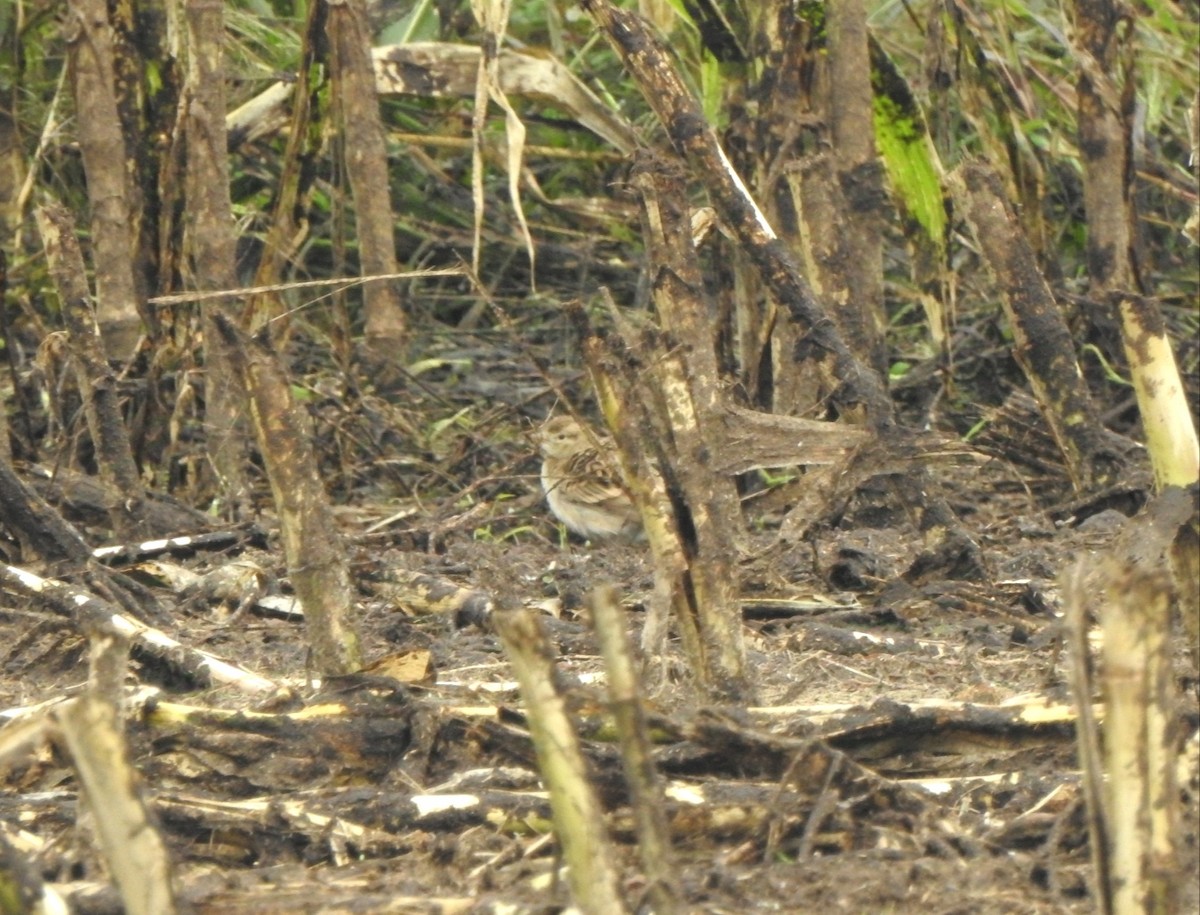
(441, 425)
(427, 365)
(909, 159)
(906, 148)
(712, 88)
(419, 24)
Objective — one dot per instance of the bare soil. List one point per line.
(845, 788)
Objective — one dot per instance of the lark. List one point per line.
(581, 487)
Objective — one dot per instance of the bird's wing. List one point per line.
(591, 480)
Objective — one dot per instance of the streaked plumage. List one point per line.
(581, 487)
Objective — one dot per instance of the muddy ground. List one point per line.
(845, 788)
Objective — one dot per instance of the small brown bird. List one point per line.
(581, 486)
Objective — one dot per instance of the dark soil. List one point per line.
(925, 809)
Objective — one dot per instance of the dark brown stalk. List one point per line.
(694, 139)
(37, 527)
(1043, 343)
(858, 392)
(1104, 48)
(209, 239)
(315, 555)
(686, 400)
(614, 371)
(287, 228)
(357, 106)
(103, 150)
(147, 107)
(859, 182)
(97, 384)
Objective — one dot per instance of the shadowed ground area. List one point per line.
(910, 748)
